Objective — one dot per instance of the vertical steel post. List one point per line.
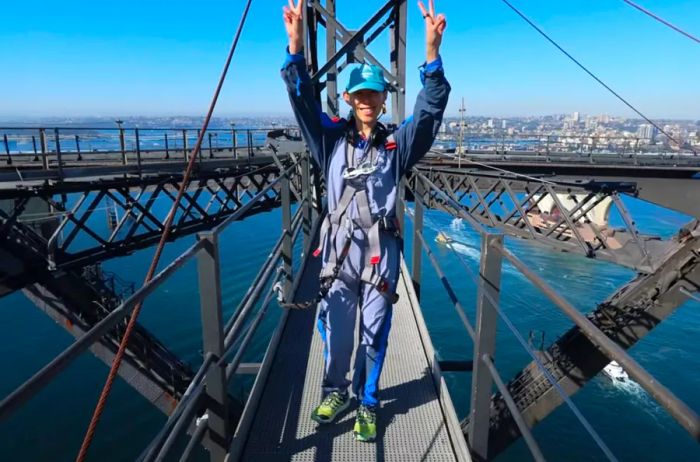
(77, 147)
(7, 149)
(122, 146)
(58, 153)
(287, 234)
(44, 144)
(233, 140)
(488, 292)
(311, 44)
(208, 269)
(305, 164)
(138, 150)
(211, 153)
(36, 154)
(167, 148)
(397, 37)
(199, 154)
(417, 252)
(332, 76)
(401, 205)
(184, 145)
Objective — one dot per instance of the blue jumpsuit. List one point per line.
(327, 143)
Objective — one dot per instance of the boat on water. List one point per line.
(615, 372)
(443, 238)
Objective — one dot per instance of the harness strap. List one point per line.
(334, 223)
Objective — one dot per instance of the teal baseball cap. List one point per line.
(366, 77)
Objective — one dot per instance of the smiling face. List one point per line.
(366, 104)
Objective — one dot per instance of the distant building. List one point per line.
(591, 123)
(647, 132)
(504, 124)
(575, 117)
(490, 123)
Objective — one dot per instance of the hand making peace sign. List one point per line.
(435, 25)
(293, 21)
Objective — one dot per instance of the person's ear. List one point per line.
(385, 96)
(346, 98)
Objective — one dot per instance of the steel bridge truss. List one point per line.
(574, 358)
(93, 221)
(512, 203)
(507, 202)
(354, 48)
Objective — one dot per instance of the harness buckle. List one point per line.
(389, 224)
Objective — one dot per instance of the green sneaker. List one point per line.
(330, 408)
(365, 424)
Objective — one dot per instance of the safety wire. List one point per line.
(586, 425)
(99, 408)
(617, 95)
(661, 20)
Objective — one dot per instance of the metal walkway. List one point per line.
(416, 421)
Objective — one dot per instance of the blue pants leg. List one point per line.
(375, 324)
(336, 322)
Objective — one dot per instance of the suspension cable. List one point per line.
(617, 95)
(99, 408)
(661, 20)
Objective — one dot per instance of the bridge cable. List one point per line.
(99, 408)
(617, 95)
(548, 376)
(662, 21)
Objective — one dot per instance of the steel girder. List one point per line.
(674, 185)
(511, 203)
(354, 48)
(88, 221)
(77, 300)
(626, 317)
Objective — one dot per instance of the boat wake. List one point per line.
(622, 383)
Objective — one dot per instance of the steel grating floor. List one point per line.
(411, 424)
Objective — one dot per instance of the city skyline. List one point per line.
(85, 59)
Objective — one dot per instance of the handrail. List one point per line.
(678, 409)
(183, 413)
(169, 432)
(275, 252)
(448, 288)
(33, 385)
(513, 408)
(685, 416)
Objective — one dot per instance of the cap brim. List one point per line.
(367, 86)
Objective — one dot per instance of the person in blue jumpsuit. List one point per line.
(359, 244)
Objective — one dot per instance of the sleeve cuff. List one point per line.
(429, 68)
(434, 65)
(293, 58)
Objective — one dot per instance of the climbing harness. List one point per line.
(342, 220)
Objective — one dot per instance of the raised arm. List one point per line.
(309, 116)
(416, 135)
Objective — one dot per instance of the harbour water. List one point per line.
(51, 426)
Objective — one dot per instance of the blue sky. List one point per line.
(164, 57)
